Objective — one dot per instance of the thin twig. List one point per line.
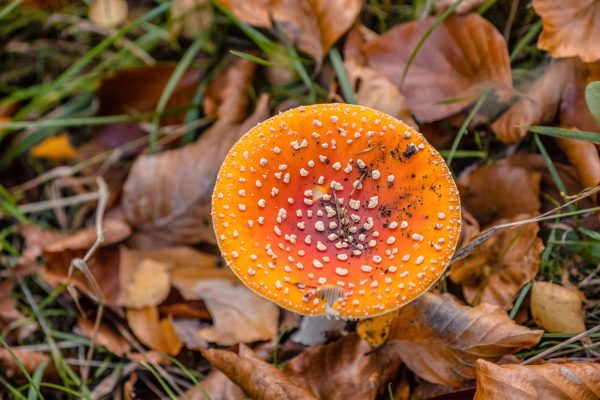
(559, 346)
(81, 264)
(65, 201)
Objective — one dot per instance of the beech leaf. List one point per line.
(567, 381)
(556, 308)
(440, 339)
(462, 57)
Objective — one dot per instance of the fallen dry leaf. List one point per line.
(487, 191)
(495, 272)
(440, 339)
(570, 28)
(218, 387)
(103, 266)
(538, 105)
(374, 90)
(255, 377)
(144, 283)
(375, 330)
(30, 361)
(158, 334)
(239, 315)
(106, 336)
(133, 91)
(567, 381)
(584, 157)
(108, 13)
(167, 196)
(345, 369)
(557, 308)
(55, 148)
(313, 25)
(463, 56)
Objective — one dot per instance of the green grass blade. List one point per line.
(528, 37)
(426, 35)
(175, 77)
(464, 126)
(342, 76)
(563, 133)
(38, 374)
(21, 367)
(160, 380)
(520, 299)
(592, 98)
(4, 11)
(254, 59)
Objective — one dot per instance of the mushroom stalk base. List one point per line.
(313, 329)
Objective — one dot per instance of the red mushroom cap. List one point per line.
(336, 208)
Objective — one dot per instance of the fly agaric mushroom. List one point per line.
(336, 209)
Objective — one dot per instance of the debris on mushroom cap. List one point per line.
(336, 208)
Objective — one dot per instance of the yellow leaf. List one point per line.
(375, 330)
(55, 148)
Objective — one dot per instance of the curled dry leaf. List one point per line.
(488, 191)
(584, 157)
(167, 196)
(103, 266)
(440, 339)
(239, 315)
(463, 56)
(108, 13)
(570, 28)
(313, 25)
(539, 104)
(158, 334)
(255, 377)
(495, 272)
(345, 369)
(557, 308)
(567, 381)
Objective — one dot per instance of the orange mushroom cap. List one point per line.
(336, 208)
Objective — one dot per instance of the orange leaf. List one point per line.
(55, 148)
(440, 339)
(567, 381)
(570, 28)
(464, 55)
(158, 334)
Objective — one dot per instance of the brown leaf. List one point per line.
(557, 308)
(464, 55)
(167, 196)
(137, 90)
(584, 157)
(255, 377)
(158, 334)
(574, 112)
(568, 381)
(345, 369)
(106, 336)
(539, 104)
(497, 269)
(374, 90)
(488, 191)
(570, 28)
(440, 339)
(31, 360)
(144, 282)
(307, 23)
(218, 387)
(239, 315)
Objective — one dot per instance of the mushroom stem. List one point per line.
(313, 329)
